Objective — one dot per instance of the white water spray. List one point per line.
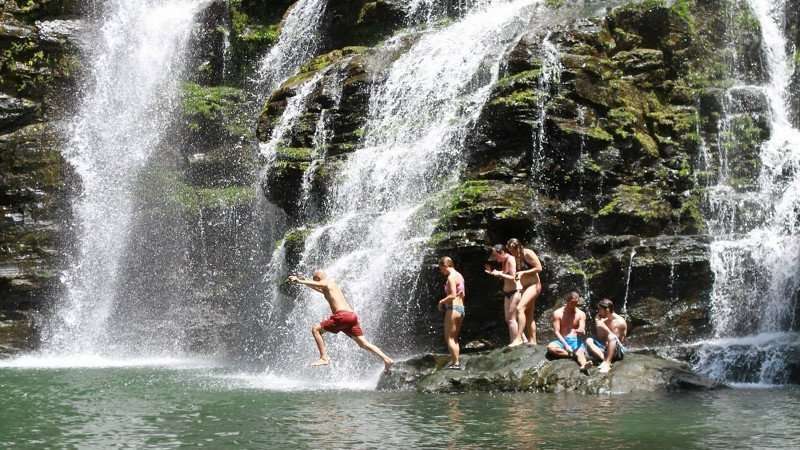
(136, 58)
(411, 150)
(298, 42)
(756, 255)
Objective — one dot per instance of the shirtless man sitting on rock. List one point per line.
(342, 319)
(611, 331)
(569, 324)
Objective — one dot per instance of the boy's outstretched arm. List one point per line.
(316, 285)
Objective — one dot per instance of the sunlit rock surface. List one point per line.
(528, 369)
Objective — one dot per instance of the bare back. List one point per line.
(335, 297)
(568, 320)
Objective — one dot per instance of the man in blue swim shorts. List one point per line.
(569, 324)
(611, 331)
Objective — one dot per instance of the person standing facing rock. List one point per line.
(611, 330)
(528, 269)
(453, 307)
(512, 291)
(569, 324)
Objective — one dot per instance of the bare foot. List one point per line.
(516, 342)
(531, 343)
(604, 368)
(585, 368)
(387, 366)
(321, 362)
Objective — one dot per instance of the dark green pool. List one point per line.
(195, 407)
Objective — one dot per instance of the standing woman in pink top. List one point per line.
(453, 306)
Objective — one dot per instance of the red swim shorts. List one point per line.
(346, 321)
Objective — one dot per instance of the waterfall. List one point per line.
(755, 255)
(136, 58)
(548, 84)
(298, 42)
(624, 309)
(373, 238)
(428, 11)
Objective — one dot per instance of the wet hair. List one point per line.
(513, 242)
(572, 295)
(606, 304)
(318, 275)
(499, 248)
(446, 261)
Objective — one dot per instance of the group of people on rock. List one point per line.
(519, 268)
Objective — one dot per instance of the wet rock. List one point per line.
(61, 33)
(527, 369)
(253, 26)
(207, 46)
(15, 111)
(363, 22)
(635, 210)
(43, 9)
(11, 30)
(16, 333)
(769, 358)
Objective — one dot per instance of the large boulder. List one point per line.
(527, 368)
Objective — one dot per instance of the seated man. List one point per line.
(611, 331)
(569, 324)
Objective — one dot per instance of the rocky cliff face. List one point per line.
(39, 42)
(591, 148)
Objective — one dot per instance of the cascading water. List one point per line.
(756, 252)
(136, 59)
(427, 11)
(375, 233)
(299, 41)
(548, 86)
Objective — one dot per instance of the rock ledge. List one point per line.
(528, 369)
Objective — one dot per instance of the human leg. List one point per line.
(453, 328)
(594, 349)
(510, 303)
(580, 355)
(522, 307)
(323, 360)
(611, 350)
(530, 296)
(366, 345)
(448, 326)
(556, 349)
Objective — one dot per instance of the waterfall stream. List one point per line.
(299, 41)
(373, 237)
(136, 58)
(756, 252)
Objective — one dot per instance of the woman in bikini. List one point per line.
(528, 269)
(453, 306)
(512, 291)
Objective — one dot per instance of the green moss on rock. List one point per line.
(215, 110)
(647, 143)
(637, 210)
(297, 154)
(194, 199)
(322, 62)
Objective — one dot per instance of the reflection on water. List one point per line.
(196, 408)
